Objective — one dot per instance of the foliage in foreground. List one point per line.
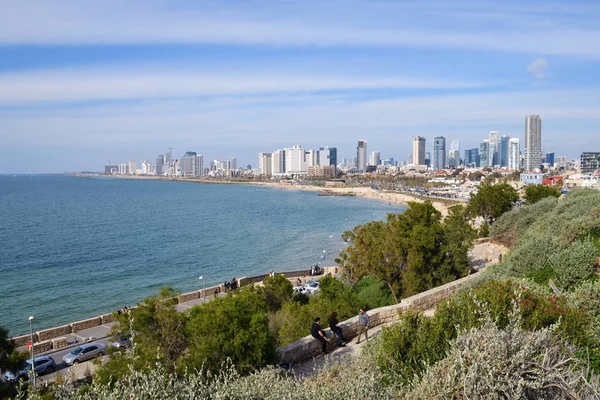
(511, 363)
(409, 347)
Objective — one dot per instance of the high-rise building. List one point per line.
(327, 156)
(533, 142)
(159, 164)
(549, 159)
(361, 156)
(233, 163)
(454, 154)
(590, 162)
(471, 157)
(514, 154)
(375, 158)
(494, 140)
(278, 162)
(503, 151)
(439, 153)
(191, 165)
(111, 169)
(265, 166)
(427, 158)
(295, 161)
(146, 167)
(484, 153)
(418, 154)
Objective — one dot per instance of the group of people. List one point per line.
(316, 270)
(230, 285)
(123, 310)
(318, 333)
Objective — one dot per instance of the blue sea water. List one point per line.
(73, 248)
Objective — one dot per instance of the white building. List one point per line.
(295, 161)
(514, 154)
(375, 158)
(278, 162)
(132, 167)
(419, 150)
(533, 142)
(190, 165)
(265, 166)
(146, 168)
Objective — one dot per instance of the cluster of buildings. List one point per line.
(190, 165)
(296, 162)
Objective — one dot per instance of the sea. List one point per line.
(73, 248)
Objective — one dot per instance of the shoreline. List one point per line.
(364, 192)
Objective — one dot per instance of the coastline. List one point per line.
(364, 192)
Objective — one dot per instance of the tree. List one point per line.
(535, 193)
(235, 327)
(6, 349)
(491, 201)
(277, 290)
(410, 252)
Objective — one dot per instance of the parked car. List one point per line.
(312, 287)
(43, 365)
(84, 352)
(122, 342)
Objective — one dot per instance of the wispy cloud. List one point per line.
(136, 83)
(539, 68)
(376, 24)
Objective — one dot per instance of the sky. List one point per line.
(84, 83)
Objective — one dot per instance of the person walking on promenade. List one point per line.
(335, 327)
(319, 334)
(363, 325)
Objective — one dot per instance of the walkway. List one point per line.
(340, 354)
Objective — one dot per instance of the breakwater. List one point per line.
(54, 338)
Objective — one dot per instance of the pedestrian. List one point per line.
(319, 334)
(363, 325)
(298, 282)
(335, 327)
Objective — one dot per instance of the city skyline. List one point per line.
(124, 81)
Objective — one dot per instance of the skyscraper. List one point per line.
(439, 153)
(484, 152)
(361, 156)
(493, 149)
(159, 164)
(454, 154)
(278, 162)
(503, 151)
(533, 142)
(327, 156)
(418, 157)
(191, 164)
(514, 154)
(472, 157)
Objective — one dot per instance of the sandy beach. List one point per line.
(366, 192)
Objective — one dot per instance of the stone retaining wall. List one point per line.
(42, 347)
(108, 318)
(182, 298)
(59, 342)
(53, 332)
(308, 347)
(20, 341)
(85, 324)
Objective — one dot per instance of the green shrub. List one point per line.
(575, 263)
(372, 293)
(531, 255)
(277, 290)
(510, 363)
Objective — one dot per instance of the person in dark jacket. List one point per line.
(335, 327)
(319, 334)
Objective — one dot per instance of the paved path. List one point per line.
(340, 354)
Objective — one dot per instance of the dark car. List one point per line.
(43, 365)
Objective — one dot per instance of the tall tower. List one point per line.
(439, 153)
(514, 154)
(503, 150)
(533, 142)
(361, 156)
(418, 150)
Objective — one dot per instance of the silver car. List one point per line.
(84, 352)
(43, 365)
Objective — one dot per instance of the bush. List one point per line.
(416, 342)
(511, 363)
(372, 293)
(277, 290)
(531, 255)
(575, 263)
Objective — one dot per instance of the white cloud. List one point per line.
(135, 83)
(539, 68)
(290, 24)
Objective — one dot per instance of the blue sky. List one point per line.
(85, 82)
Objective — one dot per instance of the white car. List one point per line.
(312, 287)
